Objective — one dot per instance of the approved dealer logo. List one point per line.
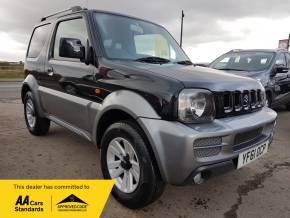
(72, 203)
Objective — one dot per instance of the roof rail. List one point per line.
(72, 9)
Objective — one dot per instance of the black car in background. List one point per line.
(270, 67)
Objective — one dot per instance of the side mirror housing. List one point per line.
(281, 69)
(72, 48)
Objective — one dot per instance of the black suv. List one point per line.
(125, 84)
(270, 67)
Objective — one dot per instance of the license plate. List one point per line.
(252, 154)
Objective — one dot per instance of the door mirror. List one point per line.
(281, 69)
(71, 48)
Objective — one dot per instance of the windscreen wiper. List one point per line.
(231, 69)
(153, 60)
(185, 62)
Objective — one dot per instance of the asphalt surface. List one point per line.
(261, 189)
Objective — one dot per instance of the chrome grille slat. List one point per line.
(254, 100)
(238, 101)
(228, 102)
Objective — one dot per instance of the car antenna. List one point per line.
(181, 32)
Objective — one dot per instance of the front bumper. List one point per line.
(174, 144)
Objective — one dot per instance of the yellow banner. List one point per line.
(53, 198)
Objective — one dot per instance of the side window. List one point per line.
(39, 37)
(280, 60)
(74, 31)
(223, 63)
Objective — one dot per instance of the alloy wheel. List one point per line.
(123, 165)
(30, 113)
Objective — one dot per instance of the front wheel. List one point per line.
(125, 158)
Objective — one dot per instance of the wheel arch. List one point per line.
(30, 84)
(128, 103)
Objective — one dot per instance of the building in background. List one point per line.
(284, 43)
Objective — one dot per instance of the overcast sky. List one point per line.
(211, 27)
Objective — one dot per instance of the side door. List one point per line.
(279, 79)
(63, 91)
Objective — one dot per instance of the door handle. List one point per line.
(50, 71)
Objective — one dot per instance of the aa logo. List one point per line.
(25, 204)
(72, 203)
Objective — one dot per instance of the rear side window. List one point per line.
(39, 37)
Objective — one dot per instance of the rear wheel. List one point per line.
(125, 158)
(35, 124)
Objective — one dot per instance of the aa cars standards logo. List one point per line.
(72, 204)
(25, 204)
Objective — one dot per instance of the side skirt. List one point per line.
(72, 128)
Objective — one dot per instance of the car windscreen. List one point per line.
(131, 39)
(243, 61)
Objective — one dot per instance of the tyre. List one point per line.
(125, 158)
(35, 124)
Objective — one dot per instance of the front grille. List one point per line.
(205, 142)
(207, 152)
(242, 140)
(207, 147)
(238, 102)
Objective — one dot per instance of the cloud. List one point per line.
(206, 21)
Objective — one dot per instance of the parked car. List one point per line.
(270, 67)
(124, 84)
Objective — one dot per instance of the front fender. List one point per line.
(130, 102)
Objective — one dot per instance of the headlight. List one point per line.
(196, 106)
(262, 78)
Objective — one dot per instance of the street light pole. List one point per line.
(181, 32)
